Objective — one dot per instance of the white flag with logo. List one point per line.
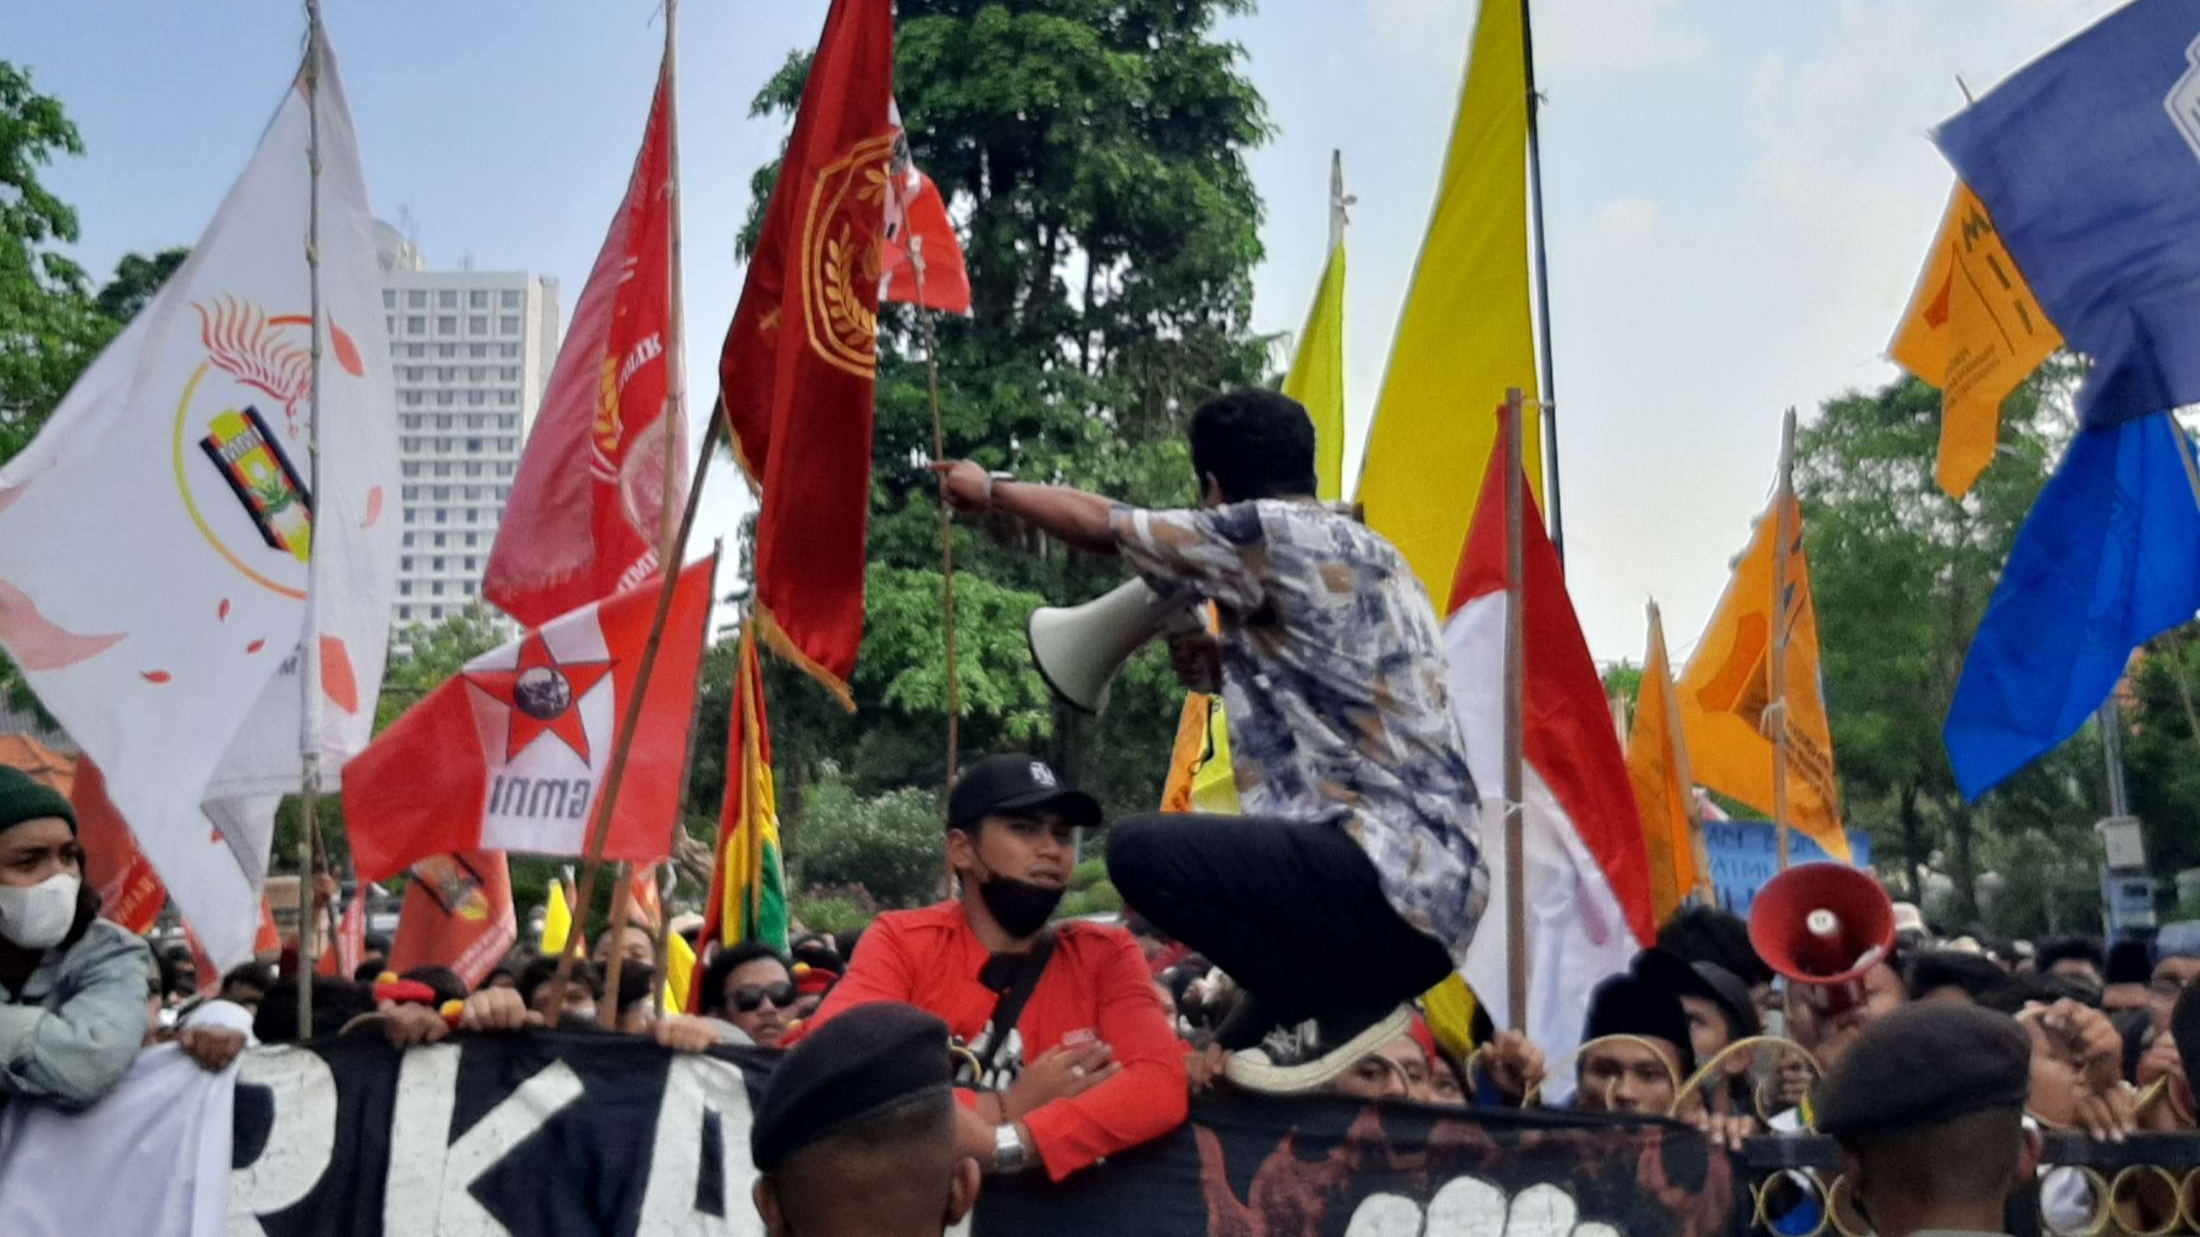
(154, 538)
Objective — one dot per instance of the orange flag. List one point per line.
(1657, 764)
(1973, 329)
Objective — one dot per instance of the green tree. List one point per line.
(136, 279)
(437, 653)
(1901, 575)
(1095, 152)
(889, 844)
(49, 326)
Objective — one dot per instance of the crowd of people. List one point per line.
(1281, 952)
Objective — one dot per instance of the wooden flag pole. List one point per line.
(947, 519)
(600, 828)
(1682, 773)
(1516, 876)
(309, 649)
(622, 902)
(1776, 713)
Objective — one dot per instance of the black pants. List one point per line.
(1291, 910)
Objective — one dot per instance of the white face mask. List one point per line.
(38, 916)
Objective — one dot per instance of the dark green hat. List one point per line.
(22, 799)
(1923, 1065)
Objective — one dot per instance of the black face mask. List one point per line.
(1019, 906)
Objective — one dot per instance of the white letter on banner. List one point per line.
(301, 1136)
(695, 1085)
(431, 1178)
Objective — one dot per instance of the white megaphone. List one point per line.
(1078, 649)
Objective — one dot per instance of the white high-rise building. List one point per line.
(471, 351)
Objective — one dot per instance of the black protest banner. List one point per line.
(550, 1135)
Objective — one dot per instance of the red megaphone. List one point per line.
(1823, 925)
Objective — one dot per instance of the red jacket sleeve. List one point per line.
(1146, 1100)
(880, 971)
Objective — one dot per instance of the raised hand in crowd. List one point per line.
(1727, 1130)
(1513, 1065)
(497, 1009)
(1202, 1066)
(2162, 1064)
(408, 1026)
(212, 1047)
(682, 1033)
(2077, 1079)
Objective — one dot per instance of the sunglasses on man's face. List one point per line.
(748, 998)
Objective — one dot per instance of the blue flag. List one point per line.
(2088, 159)
(2108, 557)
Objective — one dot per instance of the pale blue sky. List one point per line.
(1739, 192)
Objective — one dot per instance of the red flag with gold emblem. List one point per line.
(586, 511)
(457, 913)
(511, 754)
(800, 359)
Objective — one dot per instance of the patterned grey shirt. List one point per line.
(1334, 680)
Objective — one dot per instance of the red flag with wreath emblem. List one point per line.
(800, 359)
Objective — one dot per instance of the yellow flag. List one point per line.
(1726, 687)
(1465, 334)
(1317, 376)
(679, 972)
(1188, 753)
(557, 922)
(1657, 764)
(1973, 329)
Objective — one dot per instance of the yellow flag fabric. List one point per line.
(1317, 377)
(679, 972)
(557, 922)
(1725, 689)
(1200, 779)
(1466, 332)
(1449, 1008)
(1214, 783)
(1657, 764)
(1973, 329)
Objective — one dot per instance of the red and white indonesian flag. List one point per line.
(585, 512)
(1588, 880)
(155, 537)
(512, 752)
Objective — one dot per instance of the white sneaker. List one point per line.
(1294, 1061)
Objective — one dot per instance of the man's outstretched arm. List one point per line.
(1068, 515)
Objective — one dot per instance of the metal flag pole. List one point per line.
(1776, 712)
(309, 649)
(1542, 299)
(1516, 877)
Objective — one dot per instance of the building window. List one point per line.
(442, 470)
(443, 421)
(404, 614)
(509, 373)
(442, 492)
(416, 324)
(473, 470)
(406, 563)
(508, 324)
(477, 324)
(472, 516)
(509, 350)
(508, 397)
(476, 399)
(389, 298)
(408, 541)
(446, 298)
(411, 492)
(511, 299)
(435, 564)
(446, 350)
(442, 516)
(472, 539)
(412, 399)
(504, 469)
(413, 470)
(416, 299)
(439, 541)
(446, 324)
(477, 373)
(404, 588)
(436, 613)
(509, 421)
(477, 299)
(479, 350)
(444, 399)
(473, 563)
(408, 515)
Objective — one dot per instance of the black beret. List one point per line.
(857, 1065)
(1646, 1002)
(1725, 989)
(1922, 1065)
(2129, 962)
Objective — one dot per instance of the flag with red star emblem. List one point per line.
(512, 752)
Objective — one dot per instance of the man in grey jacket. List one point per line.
(72, 985)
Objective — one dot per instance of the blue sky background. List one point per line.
(1738, 193)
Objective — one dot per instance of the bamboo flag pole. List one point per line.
(1542, 296)
(309, 649)
(600, 828)
(1776, 712)
(947, 518)
(1516, 878)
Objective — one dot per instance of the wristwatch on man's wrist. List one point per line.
(1009, 1155)
(993, 479)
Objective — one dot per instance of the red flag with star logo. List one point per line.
(511, 753)
(801, 357)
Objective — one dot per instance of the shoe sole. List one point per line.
(1252, 1071)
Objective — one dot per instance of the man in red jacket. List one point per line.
(1065, 1056)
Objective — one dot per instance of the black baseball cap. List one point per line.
(1016, 784)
